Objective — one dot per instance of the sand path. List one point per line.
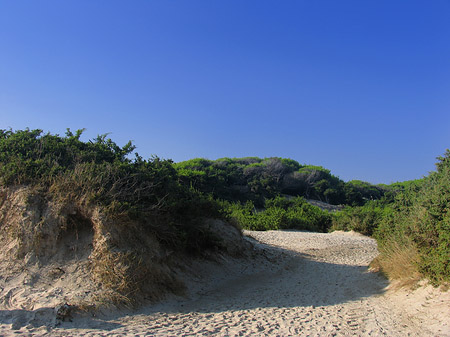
(299, 284)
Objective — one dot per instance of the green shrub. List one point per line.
(280, 213)
(99, 172)
(422, 215)
(256, 179)
(362, 219)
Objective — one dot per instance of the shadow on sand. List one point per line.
(46, 317)
(295, 280)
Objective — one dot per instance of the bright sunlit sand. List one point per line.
(296, 284)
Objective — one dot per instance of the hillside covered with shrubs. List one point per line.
(66, 204)
(139, 201)
(256, 179)
(100, 172)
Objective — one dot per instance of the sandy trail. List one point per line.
(298, 284)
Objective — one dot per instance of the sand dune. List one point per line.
(294, 284)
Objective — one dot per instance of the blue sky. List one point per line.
(359, 87)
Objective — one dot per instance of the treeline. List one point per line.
(272, 193)
(256, 179)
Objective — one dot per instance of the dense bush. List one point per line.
(362, 219)
(259, 179)
(411, 222)
(422, 215)
(28, 156)
(357, 192)
(279, 213)
(99, 172)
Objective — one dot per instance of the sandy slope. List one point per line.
(296, 284)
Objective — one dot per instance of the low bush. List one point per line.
(362, 219)
(279, 213)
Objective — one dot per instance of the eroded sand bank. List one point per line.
(296, 284)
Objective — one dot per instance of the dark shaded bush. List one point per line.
(357, 192)
(256, 179)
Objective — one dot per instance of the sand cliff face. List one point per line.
(60, 252)
(44, 262)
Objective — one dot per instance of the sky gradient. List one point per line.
(359, 87)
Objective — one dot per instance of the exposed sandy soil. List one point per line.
(295, 284)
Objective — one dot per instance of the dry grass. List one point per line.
(130, 264)
(399, 262)
(127, 263)
(75, 187)
(87, 216)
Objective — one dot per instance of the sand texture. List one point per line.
(292, 284)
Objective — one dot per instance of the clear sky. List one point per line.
(359, 87)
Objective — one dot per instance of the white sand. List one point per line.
(296, 284)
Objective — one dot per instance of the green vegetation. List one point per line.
(411, 226)
(256, 179)
(134, 208)
(279, 213)
(99, 172)
(410, 220)
(362, 219)
(421, 217)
